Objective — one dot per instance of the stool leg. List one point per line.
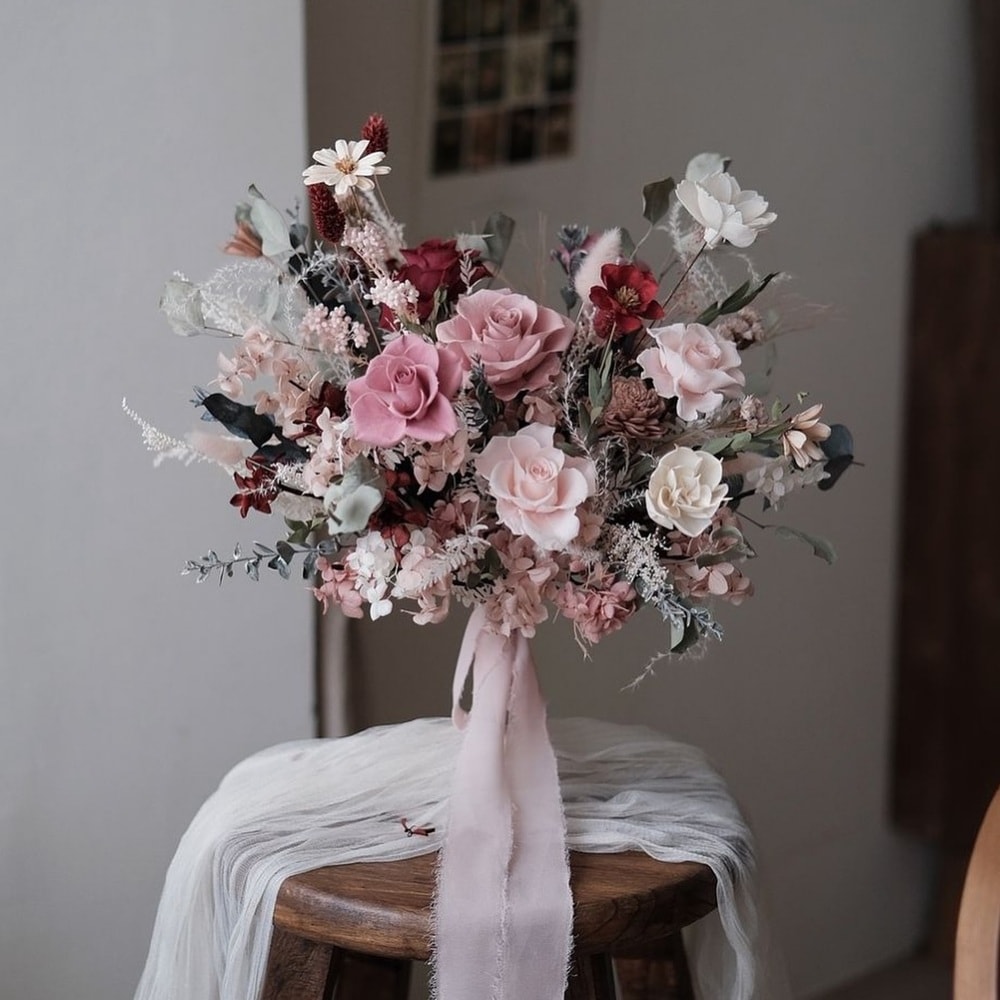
(664, 976)
(591, 977)
(365, 977)
(298, 969)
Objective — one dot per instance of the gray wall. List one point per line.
(127, 133)
(853, 117)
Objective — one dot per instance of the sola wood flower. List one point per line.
(724, 210)
(518, 341)
(537, 487)
(686, 490)
(346, 166)
(801, 441)
(405, 392)
(693, 365)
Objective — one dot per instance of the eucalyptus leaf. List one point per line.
(270, 225)
(688, 639)
(677, 631)
(351, 502)
(820, 546)
(656, 199)
(717, 445)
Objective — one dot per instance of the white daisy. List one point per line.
(345, 167)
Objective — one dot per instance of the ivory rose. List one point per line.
(686, 490)
(517, 340)
(537, 487)
(693, 365)
(405, 392)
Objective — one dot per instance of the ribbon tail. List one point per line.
(539, 935)
(469, 913)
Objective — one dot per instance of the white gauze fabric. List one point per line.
(311, 803)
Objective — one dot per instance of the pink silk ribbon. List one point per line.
(504, 912)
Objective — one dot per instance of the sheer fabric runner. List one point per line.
(312, 803)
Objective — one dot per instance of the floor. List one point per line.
(915, 979)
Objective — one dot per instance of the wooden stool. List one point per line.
(349, 932)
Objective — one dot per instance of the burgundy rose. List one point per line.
(625, 299)
(437, 264)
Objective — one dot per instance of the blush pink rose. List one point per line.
(693, 365)
(537, 487)
(405, 392)
(517, 340)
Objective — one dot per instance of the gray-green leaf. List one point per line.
(820, 546)
(270, 225)
(656, 199)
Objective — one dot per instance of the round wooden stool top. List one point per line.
(622, 902)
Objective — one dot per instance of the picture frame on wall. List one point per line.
(504, 83)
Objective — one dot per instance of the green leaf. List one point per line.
(740, 441)
(820, 546)
(270, 225)
(656, 199)
(734, 300)
(717, 445)
(709, 315)
(593, 383)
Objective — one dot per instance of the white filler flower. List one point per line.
(726, 211)
(686, 490)
(345, 167)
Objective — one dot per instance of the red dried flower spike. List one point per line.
(327, 216)
(377, 133)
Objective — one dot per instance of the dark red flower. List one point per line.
(376, 132)
(626, 298)
(257, 490)
(331, 399)
(435, 270)
(328, 219)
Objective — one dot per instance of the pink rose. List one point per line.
(405, 393)
(692, 365)
(517, 340)
(537, 487)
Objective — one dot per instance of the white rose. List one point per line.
(726, 212)
(693, 365)
(685, 490)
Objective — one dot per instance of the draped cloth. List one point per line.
(311, 803)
